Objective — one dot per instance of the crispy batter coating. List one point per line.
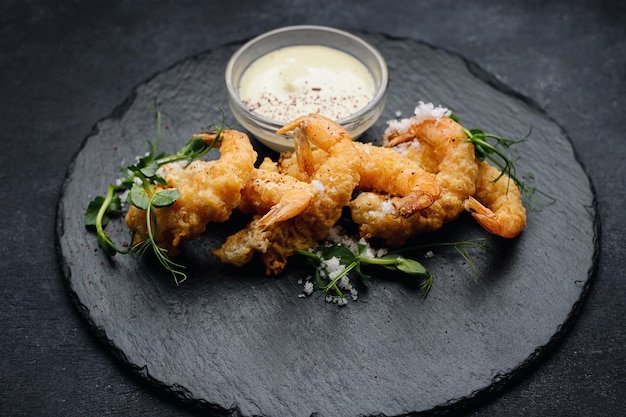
(497, 204)
(334, 180)
(440, 148)
(426, 177)
(209, 191)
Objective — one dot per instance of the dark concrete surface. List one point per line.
(65, 65)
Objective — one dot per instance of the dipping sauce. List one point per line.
(298, 80)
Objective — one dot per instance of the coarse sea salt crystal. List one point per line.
(422, 112)
(124, 196)
(318, 185)
(428, 111)
(344, 283)
(332, 267)
(386, 207)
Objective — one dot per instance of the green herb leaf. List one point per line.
(409, 266)
(344, 254)
(150, 170)
(325, 254)
(91, 214)
(165, 198)
(138, 197)
(362, 274)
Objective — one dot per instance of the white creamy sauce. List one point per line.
(297, 80)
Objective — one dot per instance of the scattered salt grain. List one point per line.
(172, 166)
(428, 111)
(318, 185)
(344, 283)
(423, 111)
(429, 254)
(332, 268)
(340, 301)
(387, 207)
(124, 196)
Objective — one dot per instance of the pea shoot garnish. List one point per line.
(146, 190)
(333, 263)
(495, 149)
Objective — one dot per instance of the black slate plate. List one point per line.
(234, 341)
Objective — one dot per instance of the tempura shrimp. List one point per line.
(381, 170)
(439, 145)
(334, 180)
(274, 195)
(209, 192)
(271, 197)
(497, 204)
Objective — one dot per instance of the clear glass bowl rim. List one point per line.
(379, 95)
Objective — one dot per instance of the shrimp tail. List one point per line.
(398, 139)
(291, 204)
(291, 125)
(489, 220)
(304, 155)
(416, 201)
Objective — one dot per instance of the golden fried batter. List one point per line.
(209, 191)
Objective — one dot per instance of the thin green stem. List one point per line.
(103, 209)
(333, 283)
(103, 238)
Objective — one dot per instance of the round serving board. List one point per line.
(236, 342)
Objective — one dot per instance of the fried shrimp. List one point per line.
(209, 192)
(438, 144)
(271, 197)
(497, 204)
(334, 181)
(276, 196)
(381, 170)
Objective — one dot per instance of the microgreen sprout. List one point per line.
(339, 255)
(461, 247)
(496, 150)
(334, 261)
(497, 153)
(147, 190)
